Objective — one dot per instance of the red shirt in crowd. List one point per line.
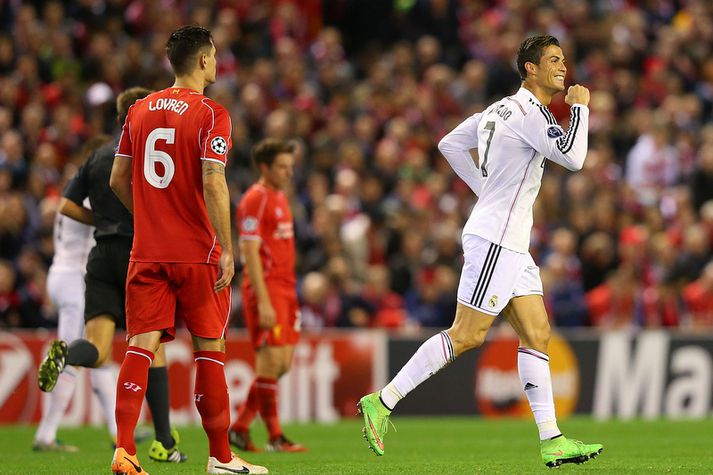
(698, 298)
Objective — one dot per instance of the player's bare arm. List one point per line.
(78, 213)
(120, 181)
(250, 250)
(217, 201)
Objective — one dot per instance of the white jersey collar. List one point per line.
(525, 93)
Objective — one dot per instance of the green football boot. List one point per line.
(561, 450)
(159, 453)
(52, 366)
(376, 421)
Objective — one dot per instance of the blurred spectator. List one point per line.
(617, 302)
(368, 88)
(431, 302)
(564, 296)
(652, 164)
(9, 298)
(702, 178)
(388, 306)
(698, 297)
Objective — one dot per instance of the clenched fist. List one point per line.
(577, 95)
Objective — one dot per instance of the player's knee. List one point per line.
(538, 338)
(463, 342)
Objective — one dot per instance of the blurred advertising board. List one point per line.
(330, 372)
(623, 375)
(616, 374)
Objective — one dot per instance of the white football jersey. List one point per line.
(514, 136)
(72, 242)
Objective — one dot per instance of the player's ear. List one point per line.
(530, 67)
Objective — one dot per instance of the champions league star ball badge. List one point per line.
(219, 145)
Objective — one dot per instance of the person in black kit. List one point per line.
(106, 285)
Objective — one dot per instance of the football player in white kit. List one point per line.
(514, 138)
(65, 286)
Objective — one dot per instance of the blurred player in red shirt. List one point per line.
(173, 149)
(267, 248)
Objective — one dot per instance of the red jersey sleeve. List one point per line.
(250, 218)
(124, 147)
(218, 127)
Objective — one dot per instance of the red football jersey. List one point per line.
(168, 134)
(264, 214)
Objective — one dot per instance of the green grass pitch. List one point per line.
(418, 446)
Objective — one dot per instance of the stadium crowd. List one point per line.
(368, 88)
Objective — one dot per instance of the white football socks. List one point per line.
(54, 405)
(103, 381)
(431, 356)
(534, 370)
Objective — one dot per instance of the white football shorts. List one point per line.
(66, 290)
(492, 275)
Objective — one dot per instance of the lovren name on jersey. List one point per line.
(174, 105)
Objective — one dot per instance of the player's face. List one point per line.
(279, 173)
(210, 65)
(551, 70)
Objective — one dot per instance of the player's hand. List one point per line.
(267, 317)
(227, 270)
(577, 95)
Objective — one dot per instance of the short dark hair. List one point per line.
(184, 45)
(266, 151)
(126, 99)
(531, 51)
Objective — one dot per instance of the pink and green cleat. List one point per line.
(376, 421)
(560, 450)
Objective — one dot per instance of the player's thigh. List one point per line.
(286, 330)
(489, 276)
(150, 300)
(204, 311)
(528, 317)
(66, 290)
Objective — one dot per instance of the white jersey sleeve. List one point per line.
(456, 147)
(544, 134)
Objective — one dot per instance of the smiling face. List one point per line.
(550, 73)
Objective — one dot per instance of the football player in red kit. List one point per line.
(169, 170)
(267, 248)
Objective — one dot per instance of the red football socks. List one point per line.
(267, 395)
(211, 398)
(130, 390)
(248, 410)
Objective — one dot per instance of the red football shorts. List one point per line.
(158, 293)
(287, 327)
